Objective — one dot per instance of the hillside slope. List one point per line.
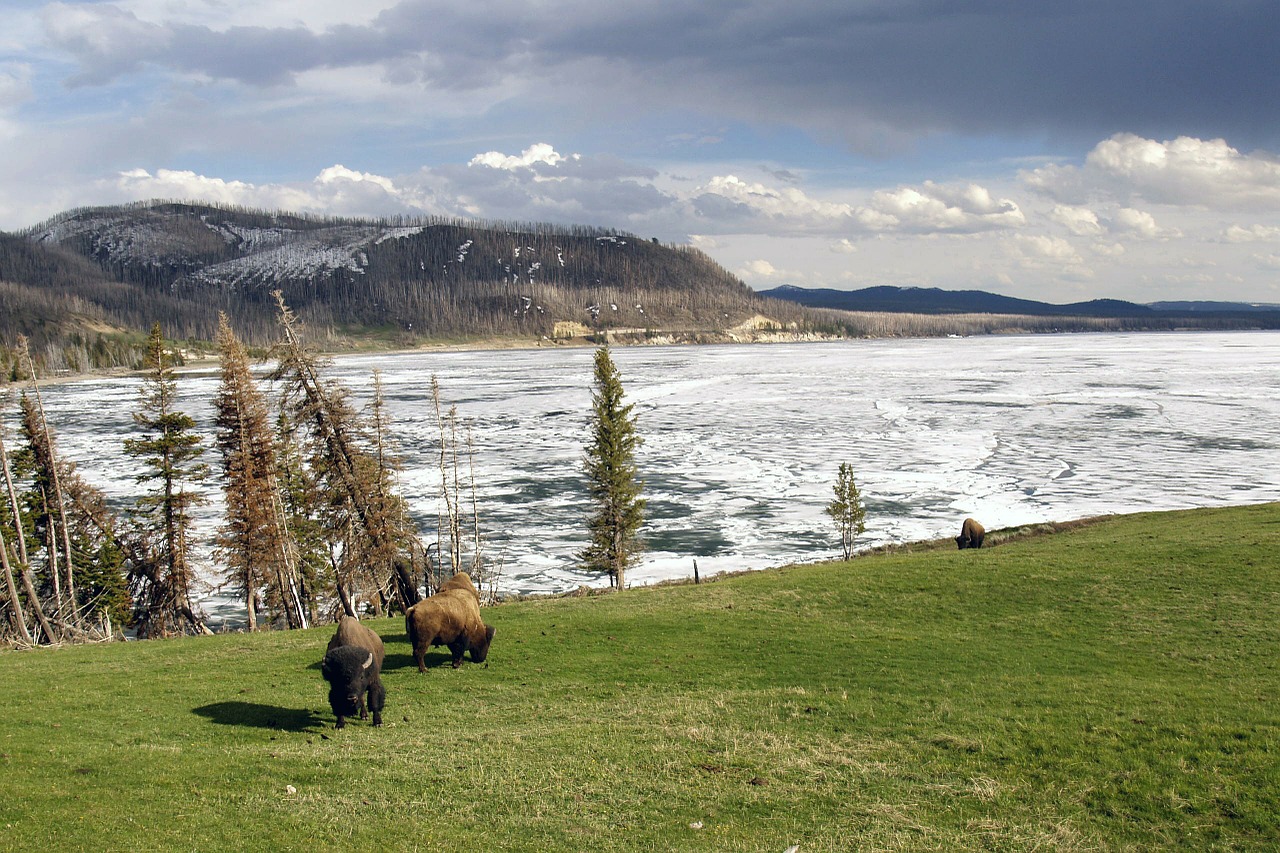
(413, 277)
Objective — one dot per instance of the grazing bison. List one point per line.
(971, 535)
(353, 667)
(450, 617)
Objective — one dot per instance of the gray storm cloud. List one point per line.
(905, 68)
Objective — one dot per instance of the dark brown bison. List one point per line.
(971, 534)
(353, 667)
(450, 617)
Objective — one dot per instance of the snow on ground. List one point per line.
(742, 443)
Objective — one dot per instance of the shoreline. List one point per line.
(745, 334)
(623, 339)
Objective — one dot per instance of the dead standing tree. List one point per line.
(50, 486)
(366, 520)
(16, 552)
(451, 530)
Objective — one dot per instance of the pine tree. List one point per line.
(847, 509)
(162, 581)
(58, 537)
(254, 543)
(73, 533)
(610, 467)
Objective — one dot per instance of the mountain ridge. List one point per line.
(933, 300)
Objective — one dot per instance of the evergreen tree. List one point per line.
(610, 466)
(254, 543)
(73, 533)
(162, 580)
(58, 537)
(847, 509)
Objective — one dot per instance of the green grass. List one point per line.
(1111, 687)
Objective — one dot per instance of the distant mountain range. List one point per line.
(932, 300)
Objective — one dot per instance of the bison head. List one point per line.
(349, 671)
(480, 650)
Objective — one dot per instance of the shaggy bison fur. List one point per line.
(971, 534)
(353, 667)
(450, 617)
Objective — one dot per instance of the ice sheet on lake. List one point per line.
(742, 443)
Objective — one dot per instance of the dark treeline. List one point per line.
(886, 324)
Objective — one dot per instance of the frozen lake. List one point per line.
(742, 443)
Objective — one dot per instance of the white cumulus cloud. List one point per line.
(539, 153)
(963, 209)
(336, 190)
(337, 173)
(1137, 223)
(1251, 234)
(787, 203)
(1048, 248)
(759, 268)
(1183, 171)
(1080, 221)
(929, 208)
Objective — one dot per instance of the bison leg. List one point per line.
(377, 700)
(419, 655)
(459, 648)
(342, 721)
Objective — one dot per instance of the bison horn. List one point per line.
(369, 662)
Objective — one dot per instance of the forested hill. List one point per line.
(125, 267)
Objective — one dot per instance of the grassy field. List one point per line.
(1110, 687)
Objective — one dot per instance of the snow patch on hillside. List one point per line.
(250, 240)
(295, 260)
(398, 233)
(116, 240)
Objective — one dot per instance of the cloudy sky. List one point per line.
(1057, 151)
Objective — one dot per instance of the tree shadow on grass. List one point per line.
(259, 716)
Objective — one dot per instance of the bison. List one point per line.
(450, 617)
(971, 535)
(353, 667)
